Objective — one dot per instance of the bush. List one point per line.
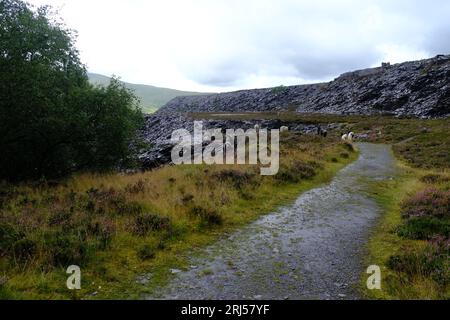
(238, 178)
(138, 187)
(208, 216)
(146, 252)
(348, 146)
(431, 262)
(187, 198)
(103, 230)
(9, 235)
(146, 223)
(428, 203)
(60, 217)
(296, 172)
(112, 201)
(424, 228)
(305, 170)
(66, 249)
(434, 179)
(285, 174)
(24, 249)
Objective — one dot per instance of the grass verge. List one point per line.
(413, 267)
(127, 232)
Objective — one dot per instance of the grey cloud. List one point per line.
(286, 46)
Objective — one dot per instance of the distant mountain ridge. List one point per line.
(151, 98)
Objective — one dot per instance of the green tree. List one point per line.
(52, 121)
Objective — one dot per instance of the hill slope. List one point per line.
(152, 98)
(417, 88)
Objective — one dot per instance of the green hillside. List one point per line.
(152, 98)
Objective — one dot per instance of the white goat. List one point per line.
(348, 137)
(351, 136)
(284, 129)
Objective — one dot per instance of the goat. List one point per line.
(348, 137)
(284, 129)
(351, 135)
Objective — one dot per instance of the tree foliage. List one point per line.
(52, 121)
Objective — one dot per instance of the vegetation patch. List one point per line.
(431, 262)
(116, 227)
(411, 243)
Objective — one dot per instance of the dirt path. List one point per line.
(310, 250)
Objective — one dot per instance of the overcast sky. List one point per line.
(222, 45)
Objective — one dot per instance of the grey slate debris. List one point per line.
(414, 89)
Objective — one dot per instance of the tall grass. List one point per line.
(115, 226)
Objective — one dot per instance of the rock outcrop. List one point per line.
(418, 88)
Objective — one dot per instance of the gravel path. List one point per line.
(310, 250)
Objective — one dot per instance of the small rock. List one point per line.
(257, 297)
(143, 280)
(175, 271)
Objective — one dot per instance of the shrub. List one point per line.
(9, 235)
(187, 198)
(430, 262)
(146, 252)
(295, 172)
(434, 178)
(111, 200)
(127, 207)
(138, 187)
(103, 230)
(59, 217)
(348, 146)
(65, 249)
(285, 174)
(238, 178)
(428, 203)
(24, 249)
(146, 223)
(424, 228)
(208, 216)
(305, 170)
